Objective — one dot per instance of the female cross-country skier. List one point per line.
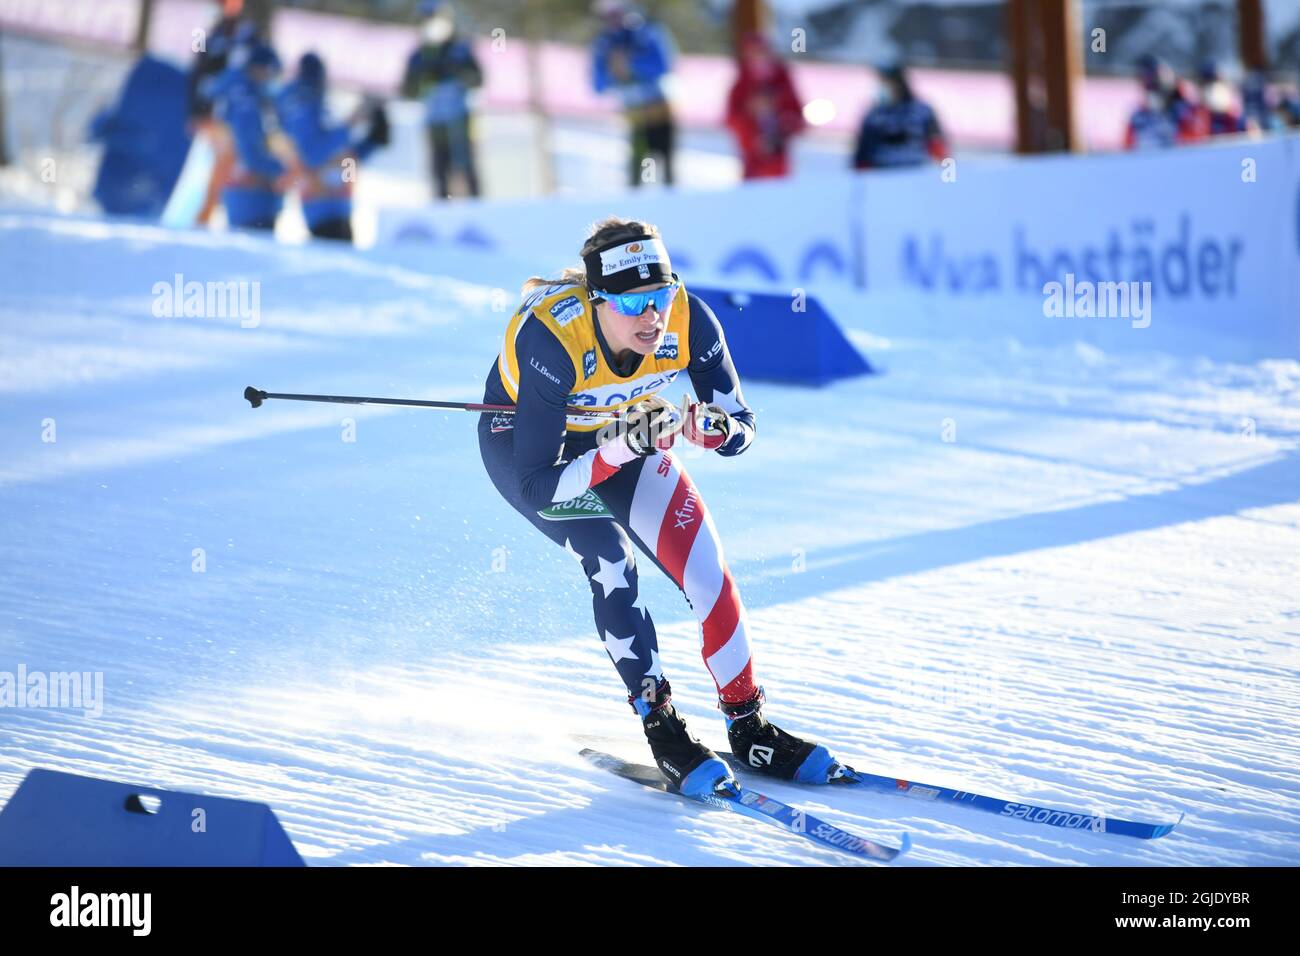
(606, 338)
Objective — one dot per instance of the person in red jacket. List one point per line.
(763, 111)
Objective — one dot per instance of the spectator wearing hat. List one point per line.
(763, 110)
(900, 129)
(1216, 114)
(1260, 104)
(631, 56)
(325, 149)
(440, 73)
(1167, 114)
(242, 99)
(229, 35)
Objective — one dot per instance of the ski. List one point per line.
(1066, 819)
(751, 803)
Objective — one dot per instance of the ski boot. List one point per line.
(767, 748)
(689, 766)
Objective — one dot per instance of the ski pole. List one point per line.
(256, 396)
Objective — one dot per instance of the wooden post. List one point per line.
(1061, 72)
(747, 16)
(1019, 31)
(141, 44)
(1250, 31)
(1046, 64)
(4, 146)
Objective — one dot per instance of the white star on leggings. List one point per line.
(639, 604)
(656, 668)
(612, 575)
(620, 648)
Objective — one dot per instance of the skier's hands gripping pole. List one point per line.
(706, 424)
(650, 425)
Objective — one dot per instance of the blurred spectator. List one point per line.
(241, 98)
(763, 110)
(1288, 109)
(225, 36)
(441, 72)
(631, 56)
(324, 150)
(900, 130)
(230, 33)
(1216, 112)
(1259, 104)
(1167, 115)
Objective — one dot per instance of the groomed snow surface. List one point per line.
(1013, 563)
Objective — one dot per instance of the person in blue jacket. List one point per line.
(1288, 110)
(224, 38)
(241, 98)
(1259, 104)
(630, 57)
(900, 130)
(440, 73)
(1166, 116)
(328, 154)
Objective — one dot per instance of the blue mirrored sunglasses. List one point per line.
(634, 303)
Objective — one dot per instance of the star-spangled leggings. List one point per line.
(652, 502)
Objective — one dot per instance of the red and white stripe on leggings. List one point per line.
(668, 515)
